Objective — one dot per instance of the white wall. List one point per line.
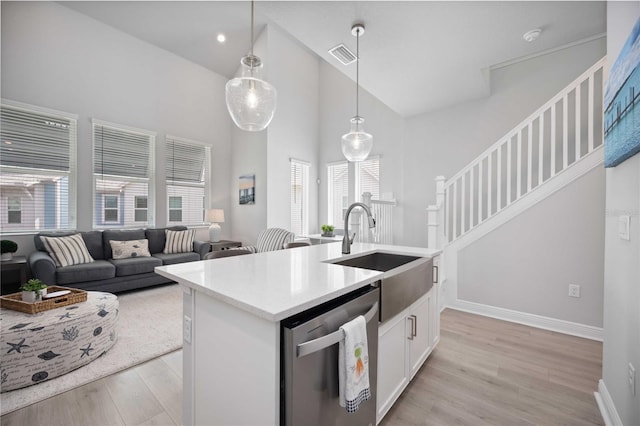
(337, 107)
(527, 264)
(57, 58)
(294, 131)
(622, 258)
(443, 142)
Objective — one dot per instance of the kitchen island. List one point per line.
(232, 312)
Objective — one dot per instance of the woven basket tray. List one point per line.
(14, 301)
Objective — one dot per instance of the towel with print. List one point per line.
(353, 365)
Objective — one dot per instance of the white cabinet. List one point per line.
(405, 341)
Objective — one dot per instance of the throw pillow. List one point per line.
(67, 251)
(179, 241)
(131, 248)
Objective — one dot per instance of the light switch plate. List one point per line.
(186, 332)
(623, 227)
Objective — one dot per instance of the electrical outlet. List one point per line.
(632, 379)
(186, 332)
(574, 290)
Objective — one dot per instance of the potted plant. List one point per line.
(33, 290)
(7, 248)
(327, 230)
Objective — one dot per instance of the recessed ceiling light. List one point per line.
(221, 38)
(532, 35)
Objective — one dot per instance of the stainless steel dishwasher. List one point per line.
(309, 362)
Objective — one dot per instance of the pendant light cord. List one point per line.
(251, 27)
(357, 71)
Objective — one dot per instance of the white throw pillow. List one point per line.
(131, 248)
(179, 241)
(67, 251)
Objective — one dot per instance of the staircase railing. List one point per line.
(565, 129)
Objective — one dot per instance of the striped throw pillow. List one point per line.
(67, 251)
(179, 241)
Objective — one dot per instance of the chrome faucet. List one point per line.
(346, 240)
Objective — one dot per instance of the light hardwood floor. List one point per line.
(483, 372)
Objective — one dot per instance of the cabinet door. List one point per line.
(420, 345)
(434, 316)
(392, 363)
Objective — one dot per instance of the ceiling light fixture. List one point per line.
(532, 35)
(221, 38)
(251, 101)
(357, 144)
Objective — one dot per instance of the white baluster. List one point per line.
(529, 154)
(591, 106)
(509, 141)
(541, 149)
(480, 192)
(471, 195)
(489, 184)
(578, 120)
(552, 167)
(499, 180)
(519, 165)
(565, 132)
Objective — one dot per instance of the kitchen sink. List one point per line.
(378, 261)
(406, 278)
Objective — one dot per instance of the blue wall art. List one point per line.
(621, 99)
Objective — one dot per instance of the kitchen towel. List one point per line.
(353, 365)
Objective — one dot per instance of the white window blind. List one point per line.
(338, 193)
(37, 169)
(187, 174)
(123, 172)
(299, 197)
(368, 178)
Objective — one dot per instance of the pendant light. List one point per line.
(251, 101)
(357, 144)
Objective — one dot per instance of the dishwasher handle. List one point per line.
(324, 342)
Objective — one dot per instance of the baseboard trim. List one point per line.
(532, 320)
(606, 406)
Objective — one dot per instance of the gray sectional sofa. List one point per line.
(108, 274)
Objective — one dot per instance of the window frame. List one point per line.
(149, 180)
(330, 189)
(71, 174)
(13, 210)
(137, 209)
(205, 183)
(175, 209)
(305, 191)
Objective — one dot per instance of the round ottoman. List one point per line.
(49, 344)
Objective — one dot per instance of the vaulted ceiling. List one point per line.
(416, 56)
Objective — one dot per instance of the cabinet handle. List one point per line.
(412, 319)
(414, 324)
(436, 274)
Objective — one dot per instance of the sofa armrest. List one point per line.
(202, 248)
(42, 267)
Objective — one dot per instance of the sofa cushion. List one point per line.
(119, 235)
(67, 251)
(179, 241)
(157, 237)
(135, 265)
(170, 259)
(96, 270)
(131, 248)
(93, 240)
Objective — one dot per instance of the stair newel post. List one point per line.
(432, 227)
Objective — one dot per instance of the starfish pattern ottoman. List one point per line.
(39, 347)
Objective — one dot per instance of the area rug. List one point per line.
(149, 325)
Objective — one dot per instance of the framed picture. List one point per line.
(621, 117)
(248, 189)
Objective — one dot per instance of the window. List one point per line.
(140, 206)
(123, 171)
(110, 209)
(37, 168)
(299, 197)
(14, 212)
(368, 178)
(175, 209)
(187, 175)
(338, 190)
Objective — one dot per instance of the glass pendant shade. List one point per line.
(251, 101)
(357, 144)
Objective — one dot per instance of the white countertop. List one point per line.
(278, 284)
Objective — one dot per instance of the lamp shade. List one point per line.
(251, 101)
(357, 144)
(215, 215)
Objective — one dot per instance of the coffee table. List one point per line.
(49, 344)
